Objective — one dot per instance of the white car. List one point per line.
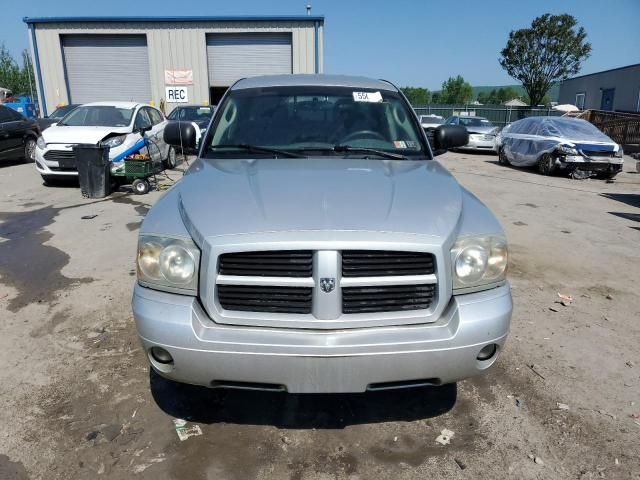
(431, 121)
(118, 125)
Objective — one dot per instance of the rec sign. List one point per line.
(177, 95)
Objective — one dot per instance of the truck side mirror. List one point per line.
(180, 134)
(446, 137)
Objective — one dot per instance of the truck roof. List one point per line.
(313, 80)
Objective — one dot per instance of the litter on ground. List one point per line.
(184, 432)
(445, 437)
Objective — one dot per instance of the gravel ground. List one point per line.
(562, 402)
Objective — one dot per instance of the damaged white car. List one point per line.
(118, 125)
(560, 144)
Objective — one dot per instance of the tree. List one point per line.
(417, 95)
(455, 91)
(18, 79)
(498, 96)
(551, 50)
(546, 100)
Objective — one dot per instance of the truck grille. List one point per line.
(252, 298)
(387, 298)
(294, 263)
(377, 263)
(326, 284)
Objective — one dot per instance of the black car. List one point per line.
(57, 115)
(18, 135)
(198, 114)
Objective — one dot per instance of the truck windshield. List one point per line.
(316, 121)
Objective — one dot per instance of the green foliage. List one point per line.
(551, 50)
(18, 79)
(554, 91)
(417, 95)
(546, 101)
(454, 91)
(498, 96)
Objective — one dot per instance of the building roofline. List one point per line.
(603, 71)
(145, 19)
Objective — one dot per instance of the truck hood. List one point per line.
(226, 197)
(73, 135)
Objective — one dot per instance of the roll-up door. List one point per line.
(232, 56)
(107, 67)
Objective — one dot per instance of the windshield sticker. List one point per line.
(400, 144)
(411, 144)
(371, 97)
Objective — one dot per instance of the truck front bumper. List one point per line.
(312, 361)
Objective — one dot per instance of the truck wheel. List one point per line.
(30, 150)
(546, 165)
(171, 162)
(140, 186)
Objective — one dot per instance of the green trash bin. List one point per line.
(93, 170)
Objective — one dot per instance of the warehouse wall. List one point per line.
(172, 46)
(626, 81)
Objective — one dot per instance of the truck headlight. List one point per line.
(479, 261)
(41, 144)
(169, 264)
(114, 141)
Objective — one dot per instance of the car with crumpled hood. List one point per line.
(120, 126)
(316, 245)
(560, 145)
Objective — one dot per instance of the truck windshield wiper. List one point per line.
(259, 149)
(382, 153)
(350, 149)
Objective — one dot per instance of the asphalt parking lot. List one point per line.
(563, 401)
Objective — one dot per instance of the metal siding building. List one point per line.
(91, 58)
(616, 89)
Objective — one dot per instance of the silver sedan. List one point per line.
(482, 133)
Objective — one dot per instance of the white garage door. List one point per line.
(107, 67)
(232, 56)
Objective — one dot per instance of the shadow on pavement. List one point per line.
(632, 199)
(634, 217)
(283, 410)
(11, 163)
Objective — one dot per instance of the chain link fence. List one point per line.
(499, 115)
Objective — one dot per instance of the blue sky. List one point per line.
(418, 43)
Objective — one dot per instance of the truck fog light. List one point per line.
(160, 355)
(487, 352)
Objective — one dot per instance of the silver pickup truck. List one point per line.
(315, 245)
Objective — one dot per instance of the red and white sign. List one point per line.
(178, 77)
